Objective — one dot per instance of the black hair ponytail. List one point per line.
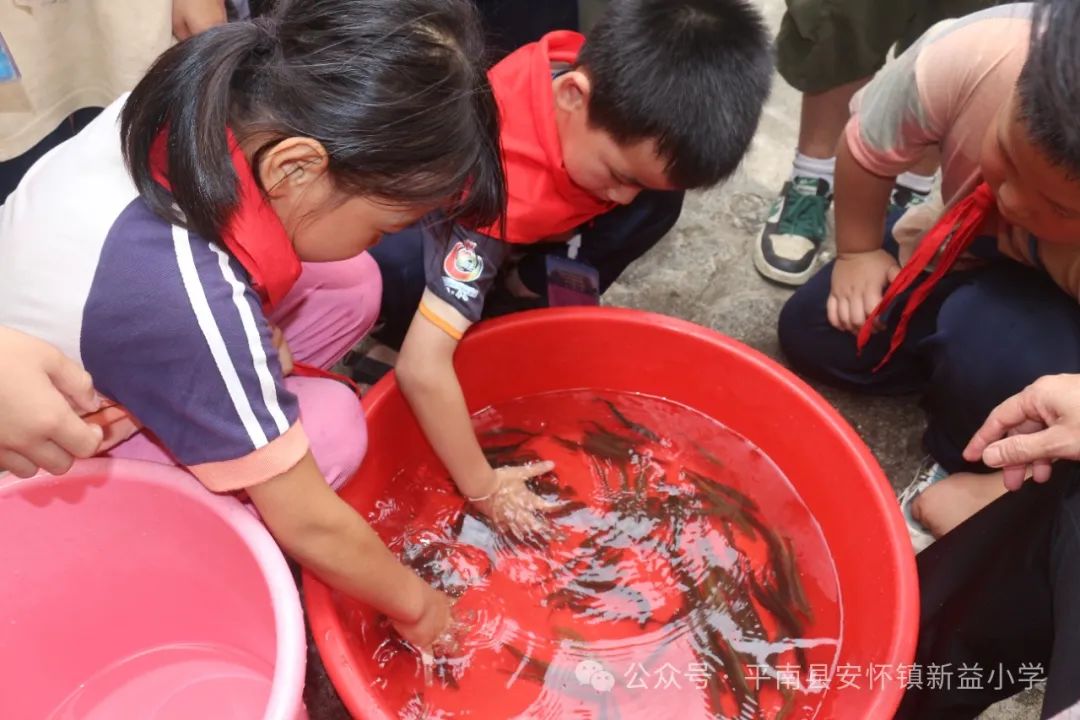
(395, 90)
(188, 93)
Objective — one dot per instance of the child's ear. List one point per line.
(292, 164)
(572, 91)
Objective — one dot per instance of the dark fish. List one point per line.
(531, 668)
(567, 598)
(630, 424)
(508, 432)
(596, 586)
(571, 445)
(788, 624)
(782, 561)
(720, 506)
(605, 444)
(789, 703)
(565, 509)
(710, 457)
(565, 633)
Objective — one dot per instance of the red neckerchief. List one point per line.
(253, 233)
(543, 200)
(954, 232)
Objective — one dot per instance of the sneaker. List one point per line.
(790, 243)
(903, 199)
(927, 474)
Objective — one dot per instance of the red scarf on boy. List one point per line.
(947, 241)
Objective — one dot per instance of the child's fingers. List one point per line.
(832, 307)
(843, 311)
(858, 313)
(533, 470)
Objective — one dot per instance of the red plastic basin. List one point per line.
(627, 350)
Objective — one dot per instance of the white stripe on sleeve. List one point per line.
(210, 330)
(251, 332)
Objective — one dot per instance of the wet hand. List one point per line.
(858, 280)
(435, 631)
(515, 508)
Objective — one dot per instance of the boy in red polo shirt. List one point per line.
(664, 96)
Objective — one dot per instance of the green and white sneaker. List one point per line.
(790, 243)
(903, 199)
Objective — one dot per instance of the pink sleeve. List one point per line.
(275, 458)
(904, 110)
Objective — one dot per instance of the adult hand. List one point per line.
(42, 394)
(1024, 434)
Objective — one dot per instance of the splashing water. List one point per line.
(687, 578)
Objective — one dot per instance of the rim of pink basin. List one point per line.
(290, 661)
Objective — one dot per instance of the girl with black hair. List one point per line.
(208, 228)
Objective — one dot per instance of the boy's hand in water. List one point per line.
(433, 631)
(513, 506)
(858, 282)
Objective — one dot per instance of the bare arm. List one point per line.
(862, 200)
(862, 268)
(425, 371)
(426, 374)
(321, 532)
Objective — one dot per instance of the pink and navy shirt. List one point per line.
(169, 324)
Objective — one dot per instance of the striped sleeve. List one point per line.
(173, 331)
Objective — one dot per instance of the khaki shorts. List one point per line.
(827, 43)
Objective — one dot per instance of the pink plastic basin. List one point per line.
(129, 592)
(614, 349)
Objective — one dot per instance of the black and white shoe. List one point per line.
(790, 243)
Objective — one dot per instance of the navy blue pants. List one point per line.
(609, 243)
(982, 335)
(1000, 595)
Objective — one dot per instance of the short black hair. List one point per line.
(693, 75)
(395, 90)
(1049, 84)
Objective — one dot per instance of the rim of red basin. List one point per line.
(326, 625)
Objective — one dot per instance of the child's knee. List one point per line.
(334, 423)
(799, 326)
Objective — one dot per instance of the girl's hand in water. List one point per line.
(512, 506)
(434, 631)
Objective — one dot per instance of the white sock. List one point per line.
(805, 166)
(919, 183)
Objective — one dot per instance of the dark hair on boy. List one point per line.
(693, 75)
(394, 90)
(1049, 84)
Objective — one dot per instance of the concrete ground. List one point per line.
(703, 272)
